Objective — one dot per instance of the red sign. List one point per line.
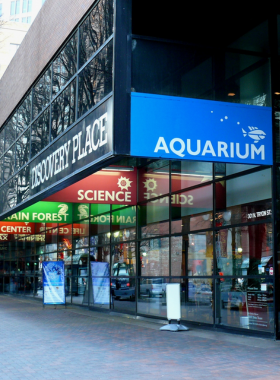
(17, 228)
(107, 187)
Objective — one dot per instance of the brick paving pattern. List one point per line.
(75, 343)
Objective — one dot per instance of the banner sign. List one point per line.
(17, 228)
(103, 187)
(202, 130)
(53, 283)
(44, 212)
(100, 285)
(87, 142)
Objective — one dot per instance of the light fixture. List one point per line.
(119, 168)
(231, 94)
(276, 93)
(239, 249)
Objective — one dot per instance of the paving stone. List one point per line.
(76, 343)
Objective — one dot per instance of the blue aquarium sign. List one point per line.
(203, 130)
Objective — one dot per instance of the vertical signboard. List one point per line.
(100, 283)
(53, 283)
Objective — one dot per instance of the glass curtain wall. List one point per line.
(78, 79)
(198, 224)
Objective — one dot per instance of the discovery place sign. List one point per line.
(202, 130)
(86, 143)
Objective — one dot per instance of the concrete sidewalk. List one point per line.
(75, 343)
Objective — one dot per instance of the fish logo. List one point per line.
(255, 134)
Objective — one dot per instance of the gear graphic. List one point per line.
(150, 184)
(124, 183)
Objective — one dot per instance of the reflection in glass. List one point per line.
(95, 81)
(152, 296)
(153, 180)
(246, 250)
(196, 299)
(189, 173)
(41, 92)
(9, 162)
(188, 203)
(194, 253)
(24, 114)
(152, 216)
(245, 303)
(63, 110)
(123, 294)
(154, 257)
(96, 29)
(10, 128)
(124, 224)
(23, 184)
(251, 193)
(79, 287)
(22, 149)
(40, 133)
(65, 65)
(123, 259)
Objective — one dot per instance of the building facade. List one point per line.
(145, 141)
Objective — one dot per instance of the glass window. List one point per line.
(199, 73)
(24, 6)
(65, 65)
(17, 7)
(244, 199)
(10, 127)
(123, 259)
(184, 71)
(124, 224)
(23, 149)
(23, 184)
(153, 218)
(123, 289)
(63, 110)
(1, 10)
(96, 29)
(185, 205)
(95, 81)
(246, 250)
(9, 162)
(100, 229)
(152, 296)
(245, 303)
(192, 254)
(28, 20)
(81, 234)
(196, 299)
(41, 92)
(29, 7)
(153, 180)
(154, 257)
(13, 8)
(2, 140)
(24, 114)
(189, 173)
(40, 133)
